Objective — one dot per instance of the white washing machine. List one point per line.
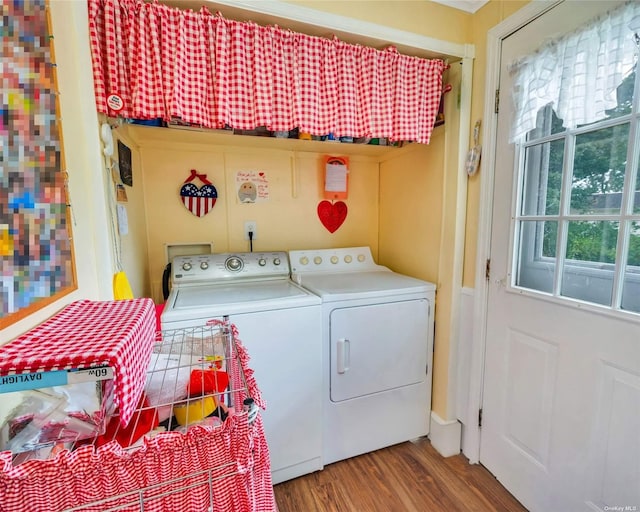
(279, 323)
(377, 349)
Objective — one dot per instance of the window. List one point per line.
(578, 213)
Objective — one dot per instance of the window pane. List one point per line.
(631, 286)
(536, 255)
(590, 255)
(598, 171)
(543, 178)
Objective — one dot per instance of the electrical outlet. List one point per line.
(250, 225)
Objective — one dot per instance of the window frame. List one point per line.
(528, 253)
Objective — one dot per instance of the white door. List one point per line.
(561, 397)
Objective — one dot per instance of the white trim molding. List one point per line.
(470, 6)
(445, 436)
(458, 235)
(463, 355)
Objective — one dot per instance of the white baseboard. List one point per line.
(445, 436)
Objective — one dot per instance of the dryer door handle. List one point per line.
(343, 355)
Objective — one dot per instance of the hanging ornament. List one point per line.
(472, 162)
(198, 200)
(332, 215)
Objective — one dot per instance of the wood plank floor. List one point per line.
(409, 477)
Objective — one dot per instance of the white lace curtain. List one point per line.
(576, 74)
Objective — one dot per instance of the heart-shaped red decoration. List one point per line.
(332, 215)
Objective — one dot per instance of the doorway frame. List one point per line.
(472, 431)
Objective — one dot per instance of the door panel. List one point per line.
(530, 382)
(378, 347)
(614, 442)
(561, 409)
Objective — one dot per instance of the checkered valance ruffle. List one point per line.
(206, 70)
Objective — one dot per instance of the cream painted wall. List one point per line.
(425, 18)
(287, 220)
(411, 209)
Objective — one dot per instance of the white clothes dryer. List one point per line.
(279, 322)
(377, 349)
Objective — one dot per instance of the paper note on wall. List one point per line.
(336, 177)
(336, 180)
(123, 220)
(252, 186)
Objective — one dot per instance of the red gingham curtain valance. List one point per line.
(206, 70)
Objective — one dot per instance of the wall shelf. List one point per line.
(142, 134)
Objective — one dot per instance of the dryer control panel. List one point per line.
(345, 259)
(210, 268)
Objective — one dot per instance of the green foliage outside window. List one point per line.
(599, 168)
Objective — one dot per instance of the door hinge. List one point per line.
(496, 107)
(487, 269)
(480, 418)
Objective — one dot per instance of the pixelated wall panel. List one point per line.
(35, 238)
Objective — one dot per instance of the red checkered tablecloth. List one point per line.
(88, 333)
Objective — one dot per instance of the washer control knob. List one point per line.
(334, 259)
(361, 258)
(262, 262)
(186, 266)
(317, 260)
(276, 261)
(233, 264)
(204, 265)
(348, 258)
(304, 260)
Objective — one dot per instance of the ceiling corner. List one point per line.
(469, 6)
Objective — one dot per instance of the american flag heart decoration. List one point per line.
(198, 200)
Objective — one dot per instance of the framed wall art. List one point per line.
(36, 251)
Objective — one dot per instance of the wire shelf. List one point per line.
(195, 441)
